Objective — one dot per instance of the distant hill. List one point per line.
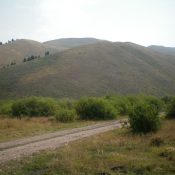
(67, 43)
(95, 69)
(164, 50)
(17, 50)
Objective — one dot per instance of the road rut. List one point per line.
(28, 146)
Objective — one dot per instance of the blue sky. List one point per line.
(144, 22)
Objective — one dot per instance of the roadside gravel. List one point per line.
(28, 146)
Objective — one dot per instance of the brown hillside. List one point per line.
(95, 69)
(67, 43)
(17, 50)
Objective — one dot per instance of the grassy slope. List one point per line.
(66, 43)
(164, 50)
(92, 70)
(116, 152)
(11, 129)
(19, 49)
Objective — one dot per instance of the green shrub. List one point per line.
(133, 100)
(95, 108)
(6, 107)
(171, 109)
(66, 115)
(33, 106)
(66, 104)
(167, 99)
(155, 102)
(120, 103)
(144, 118)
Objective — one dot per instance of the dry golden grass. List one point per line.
(11, 129)
(116, 153)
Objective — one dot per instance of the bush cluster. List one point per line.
(142, 110)
(33, 106)
(66, 115)
(6, 107)
(95, 108)
(120, 103)
(156, 103)
(144, 118)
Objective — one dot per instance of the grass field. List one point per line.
(114, 153)
(11, 128)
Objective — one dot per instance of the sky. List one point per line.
(145, 22)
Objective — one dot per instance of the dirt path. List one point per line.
(23, 147)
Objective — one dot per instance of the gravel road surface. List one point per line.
(28, 146)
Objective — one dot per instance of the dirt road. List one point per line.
(24, 147)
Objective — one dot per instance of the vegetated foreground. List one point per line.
(12, 128)
(16, 149)
(21, 118)
(115, 152)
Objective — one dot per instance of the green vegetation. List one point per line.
(31, 58)
(121, 103)
(66, 115)
(6, 107)
(144, 118)
(86, 108)
(13, 128)
(74, 110)
(33, 106)
(95, 108)
(155, 103)
(117, 152)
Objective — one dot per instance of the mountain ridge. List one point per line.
(163, 49)
(95, 69)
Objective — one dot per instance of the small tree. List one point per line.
(144, 118)
(0, 43)
(47, 53)
(32, 57)
(94, 108)
(12, 63)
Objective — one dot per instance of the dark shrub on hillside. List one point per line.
(144, 118)
(65, 115)
(95, 108)
(33, 106)
(171, 109)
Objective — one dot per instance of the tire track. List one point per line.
(25, 147)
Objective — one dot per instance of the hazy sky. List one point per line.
(145, 22)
